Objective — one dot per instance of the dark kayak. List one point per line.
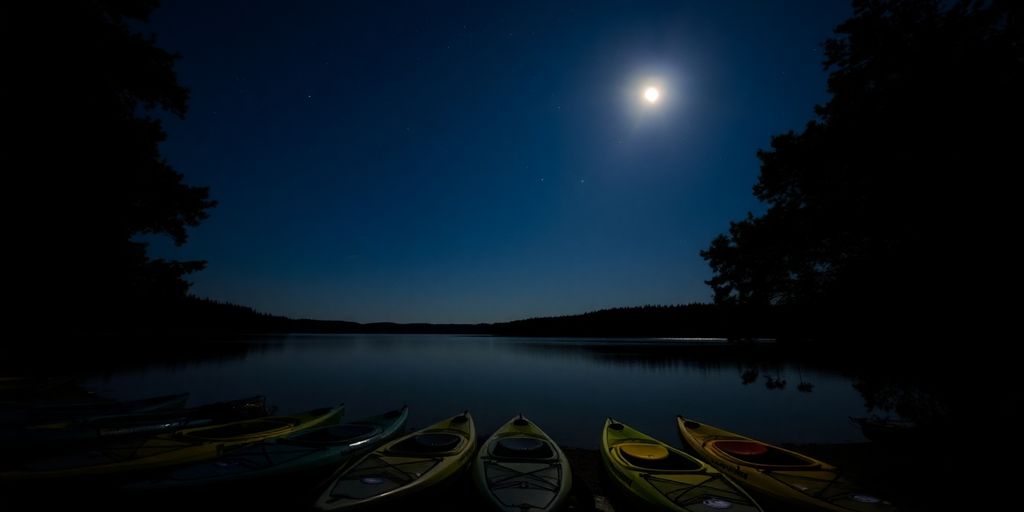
(420, 460)
(307, 450)
(57, 412)
(139, 423)
(132, 454)
(888, 430)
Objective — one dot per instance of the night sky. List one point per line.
(477, 162)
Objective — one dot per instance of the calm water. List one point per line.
(567, 386)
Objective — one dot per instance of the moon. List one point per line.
(651, 94)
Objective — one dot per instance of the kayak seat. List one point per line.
(646, 451)
(428, 443)
(742, 448)
(522, 448)
(759, 453)
(654, 456)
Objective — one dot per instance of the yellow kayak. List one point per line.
(775, 472)
(665, 478)
(406, 465)
(183, 446)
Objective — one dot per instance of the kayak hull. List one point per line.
(664, 478)
(304, 451)
(181, 447)
(778, 474)
(520, 468)
(66, 412)
(134, 424)
(407, 465)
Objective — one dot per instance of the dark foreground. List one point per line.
(893, 473)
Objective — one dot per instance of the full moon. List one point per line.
(651, 94)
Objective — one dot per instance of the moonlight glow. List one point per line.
(651, 95)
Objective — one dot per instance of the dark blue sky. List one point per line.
(477, 162)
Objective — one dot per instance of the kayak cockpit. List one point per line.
(426, 444)
(760, 454)
(655, 457)
(522, 448)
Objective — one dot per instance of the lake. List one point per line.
(568, 387)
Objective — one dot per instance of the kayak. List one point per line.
(778, 473)
(25, 385)
(519, 468)
(309, 449)
(406, 465)
(180, 447)
(146, 423)
(60, 412)
(888, 430)
(665, 478)
(164, 421)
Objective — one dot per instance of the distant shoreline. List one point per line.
(689, 322)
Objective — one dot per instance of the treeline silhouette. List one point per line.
(204, 316)
(893, 209)
(201, 316)
(84, 92)
(681, 321)
(792, 326)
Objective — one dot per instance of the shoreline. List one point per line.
(881, 470)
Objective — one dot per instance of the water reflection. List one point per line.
(568, 386)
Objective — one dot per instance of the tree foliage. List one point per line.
(84, 90)
(898, 195)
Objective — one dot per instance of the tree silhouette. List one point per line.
(897, 197)
(83, 92)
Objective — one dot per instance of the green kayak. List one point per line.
(520, 468)
(57, 414)
(310, 449)
(418, 461)
(180, 447)
(665, 478)
(132, 424)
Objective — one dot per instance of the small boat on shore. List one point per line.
(70, 411)
(180, 447)
(665, 478)
(888, 430)
(776, 473)
(413, 463)
(520, 468)
(307, 450)
(133, 424)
